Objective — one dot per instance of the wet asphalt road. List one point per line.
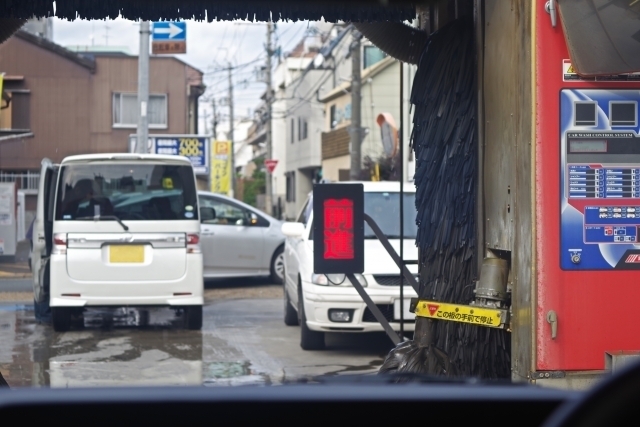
(16, 285)
(242, 341)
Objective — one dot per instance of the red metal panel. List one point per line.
(596, 310)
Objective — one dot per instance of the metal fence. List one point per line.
(26, 181)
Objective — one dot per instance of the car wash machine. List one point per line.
(527, 146)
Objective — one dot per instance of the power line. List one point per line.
(224, 34)
(307, 97)
(246, 28)
(243, 65)
(233, 39)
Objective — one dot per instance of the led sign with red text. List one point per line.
(339, 224)
(338, 229)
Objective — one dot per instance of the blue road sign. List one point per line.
(194, 147)
(173, 31)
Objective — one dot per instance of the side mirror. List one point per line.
(207, 214)
(252, 218)
(293, 229)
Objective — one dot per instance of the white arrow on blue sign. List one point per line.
(174, 31)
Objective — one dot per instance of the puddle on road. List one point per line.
(228, 369)
(16, 307)
(128, 347)
(232, 373)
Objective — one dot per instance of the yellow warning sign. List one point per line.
(569, 75)
(461, 313)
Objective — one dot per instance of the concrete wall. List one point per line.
(331, 167)
(303, 93)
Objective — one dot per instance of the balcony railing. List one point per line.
(26, 181)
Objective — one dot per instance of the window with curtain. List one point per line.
(125, 110)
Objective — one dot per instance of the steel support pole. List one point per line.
(356, 125)
(143, 89)
(231, 136)
(268, 203)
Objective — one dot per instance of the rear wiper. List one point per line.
(107, 217)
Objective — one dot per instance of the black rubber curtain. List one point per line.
(444, 139)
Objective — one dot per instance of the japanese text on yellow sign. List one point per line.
(221, 167)
(460, 313)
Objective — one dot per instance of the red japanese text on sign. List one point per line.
(338, 229)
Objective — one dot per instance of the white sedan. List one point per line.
(322, 304)
(239, 240)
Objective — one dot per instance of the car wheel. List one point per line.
(309, 340)
(290, 314)
(277, 266)
(193, 317)
(61, 318)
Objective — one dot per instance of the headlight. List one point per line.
(336, 280)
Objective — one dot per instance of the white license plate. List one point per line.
(407, 314)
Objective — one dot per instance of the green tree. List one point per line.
(256, 185)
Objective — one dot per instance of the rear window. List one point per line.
(129, 191)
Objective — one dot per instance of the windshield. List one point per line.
(192, 264)
(128, 191)
(384, 208)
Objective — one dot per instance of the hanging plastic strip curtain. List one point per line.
(261, 10)
(445, 142)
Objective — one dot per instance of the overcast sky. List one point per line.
(210, 47)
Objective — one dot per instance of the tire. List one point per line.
(193, 317)
(277, 266)
(290, 313)
(61, 318)
(309, 340)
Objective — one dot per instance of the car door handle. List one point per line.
(208, 233)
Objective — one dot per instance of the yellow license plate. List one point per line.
(126, 254)
(459, 313)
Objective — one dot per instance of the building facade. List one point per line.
(56, 103)
(86, 103)
(380, 95)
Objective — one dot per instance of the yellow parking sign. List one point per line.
(221, 167)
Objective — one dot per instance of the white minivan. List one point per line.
(116, 230)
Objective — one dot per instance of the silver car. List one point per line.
(239, 240)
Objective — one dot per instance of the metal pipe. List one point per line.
(356, 114)
(480, 94)
(402, 179)
(374, 309)
(392, 252)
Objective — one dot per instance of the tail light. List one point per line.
(59, 244)
(193, 244)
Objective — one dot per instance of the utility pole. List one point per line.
(356, 128)
(143, 88)
(269, 187)
(231, 137)
(214, 120)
